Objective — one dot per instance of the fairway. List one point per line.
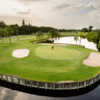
(63, 63)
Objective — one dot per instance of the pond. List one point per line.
(92, 94)
(70, 40)
(8, 94)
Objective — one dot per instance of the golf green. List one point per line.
(58, 53)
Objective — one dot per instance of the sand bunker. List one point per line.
(20, 53)
(93, 60)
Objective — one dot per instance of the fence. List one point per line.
(48, 85)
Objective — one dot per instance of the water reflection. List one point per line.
(37, 94)
(70, 40)
(8, 94)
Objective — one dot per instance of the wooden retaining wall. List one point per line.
(48, 85)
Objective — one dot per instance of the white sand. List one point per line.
(93, 60)
(66, 81)
(20, 53)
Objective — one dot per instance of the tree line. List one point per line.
(91, 34)
(24, 29)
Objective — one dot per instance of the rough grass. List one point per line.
(41, 67)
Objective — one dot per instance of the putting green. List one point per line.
(58, 53)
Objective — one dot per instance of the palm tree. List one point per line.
(76, 38)
(82, 35)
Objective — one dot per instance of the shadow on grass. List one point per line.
(51, 93)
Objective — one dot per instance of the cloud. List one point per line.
(22, 10)
(29, 1)
(33, 0)
(96, 4)
(56, 13)
(76, 8)
(61, 6)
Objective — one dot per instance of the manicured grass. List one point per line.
(58, 53)
(17, 38)
(43, 64)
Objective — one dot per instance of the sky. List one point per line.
(68, 14)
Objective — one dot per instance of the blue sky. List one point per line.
(56, 13)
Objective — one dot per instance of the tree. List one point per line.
(2, 33)
(2, 24)
(23, 22)
(81, 35)
(15, 28)
(90, 28)
(94, 37)
(84, 30)
(76, 38)
(98, 45)
(54, 34)
(9, 32)
(39, 35)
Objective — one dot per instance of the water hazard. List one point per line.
(9, 94)
(83, 42)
